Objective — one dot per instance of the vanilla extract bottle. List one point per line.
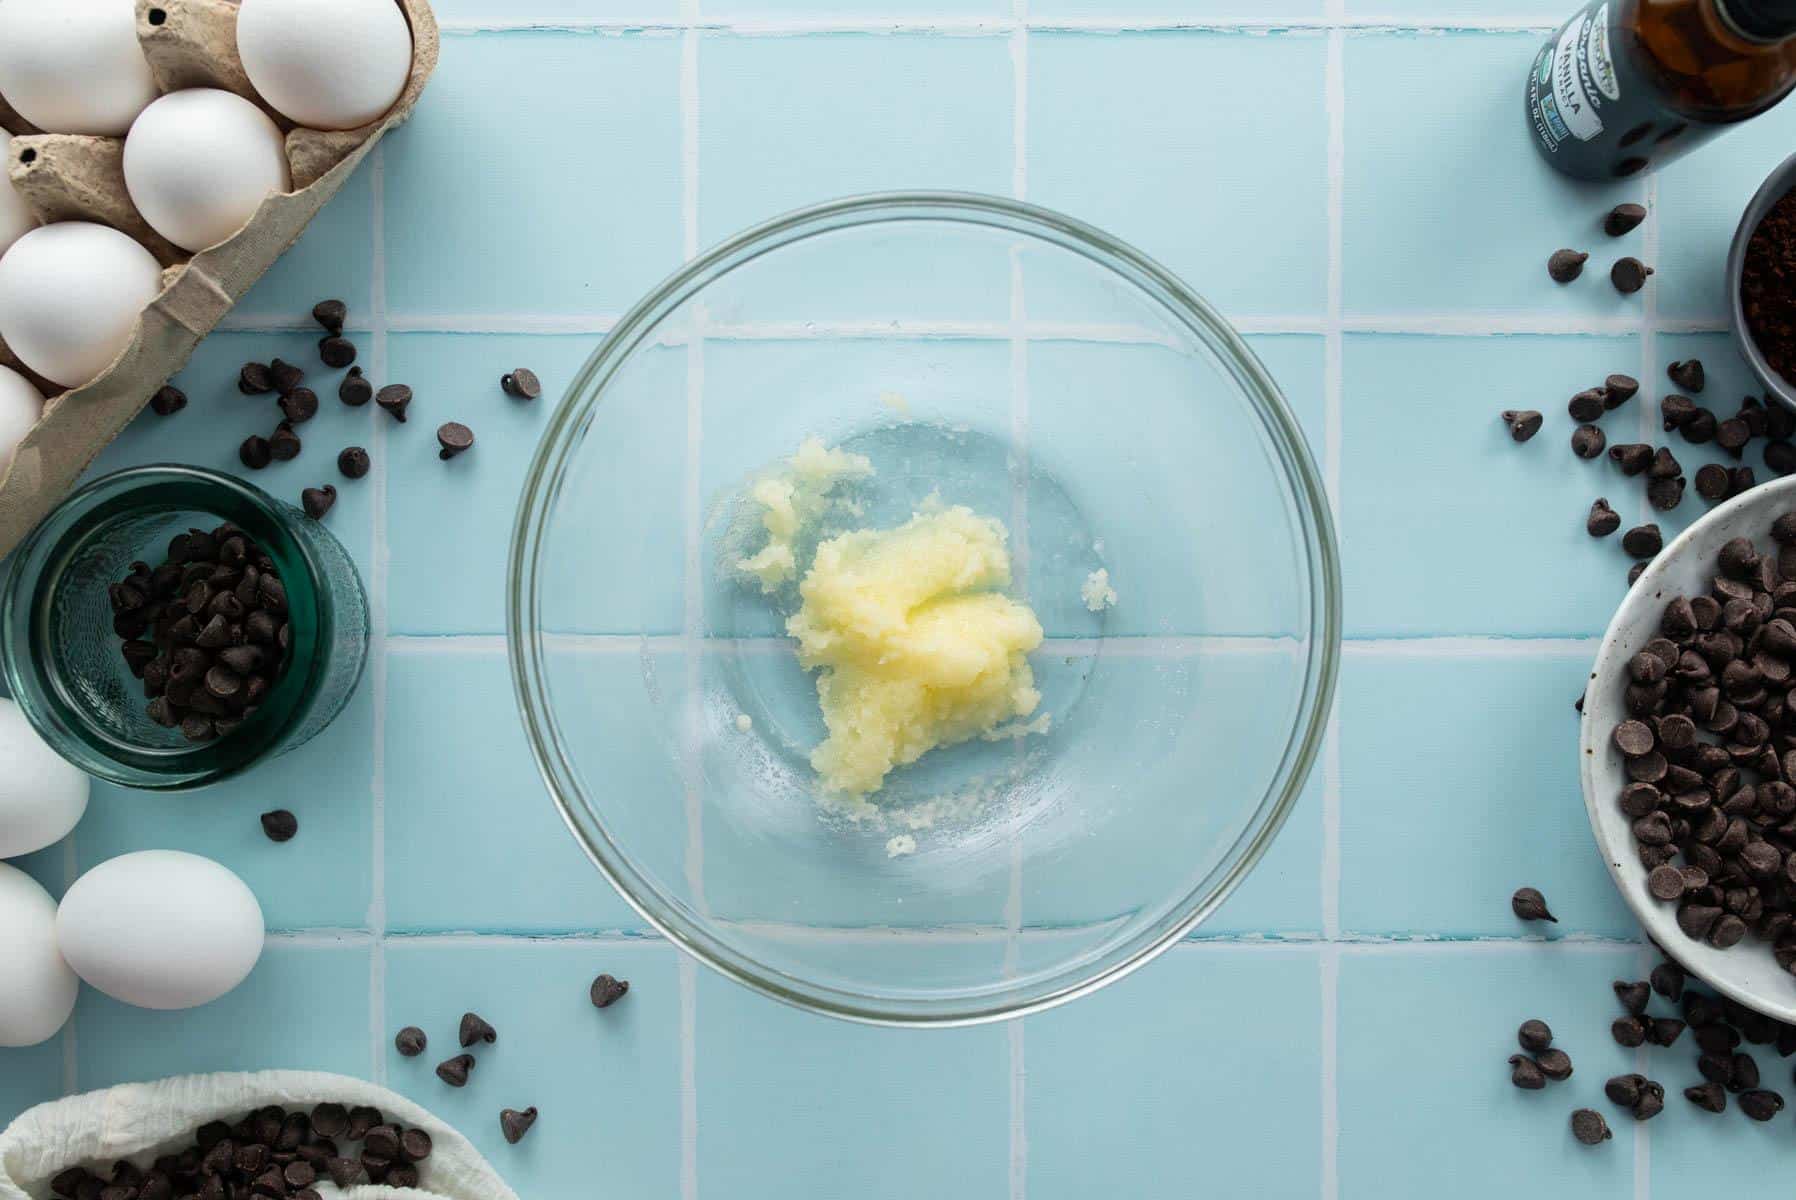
(1629, 85)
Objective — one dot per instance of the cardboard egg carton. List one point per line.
(74, 177)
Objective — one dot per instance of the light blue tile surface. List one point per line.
(458, 14)
(1283, 895)
(782, 1116)
(1155, 12)
(1440, 508)
(491, 209)
(1424, 1096)
(1118, 1086)
(1447, 205)
(606, 1083)
(851, 10)
(793, 121)
(1454, 792)
(1156, 139)
(474, 841)
(304, 1007)
(1470, 12)
(334, 258)
(31, 1076)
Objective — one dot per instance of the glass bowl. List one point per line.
(979, 352)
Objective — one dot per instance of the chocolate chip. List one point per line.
(355, 390)
(1631, 457)
(395, 398)
(1563, 266)
(1710, 1097)
(1555, 1065)
(353, 462)
(1651, 1102)
(382, 1141)
(1534, 1036)
(402, 1176)
(317, 501)
(285, 376)
(1713, 482)
(1623, 218)
(1665, 494)
(1665, 882)
(1525, 1073)
(197, 727)
(283, 444)
(362, 1118)
(330, 314)
(1523, 424)
(1697, 919)
(1587, 441)
(1587, 406)
(1664, 465)
(168, 401)
(514, 1124)
(1732, 435)
(254, 379)
(1761, 1105)
(1629, 275)
(414, 1145)
(474, 1028)
(607, 990)
(1618, 390)
(1634, 739)
(255, 452)
(1628, 1031)
(410, 1041)
(1727, 932)
(1643, 541)
(523, 384)
(280, 825)
(1700, 428)
(330, 1120)
(1624, 1089)
(344, 1172)
(300, 405)
(454, 438)
(1663, 1031)
(1602, 520)
(454, 1071)
(336, 351)
(1588, 1126)
(1687, 374)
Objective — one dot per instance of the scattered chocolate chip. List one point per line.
(1524, 1073)
(1700, 429)
(1629, 275)
(1714, 483)
(299, 405)
(336, 351)
(607, 990)
(1588, 1126)
(1527, 904)
(1523, 424)
(285, 376)
(410, 1041)
(330, 315)
(454, 1071)
(1628, 1031)
(317, 501)
(395, 398)
(1668, 979)
(1618, 389)
(283, 444)
(1587, 406)
(474, 1028)
(1623, 218)
(1587, 441)
(254, 453)
(1732, 435)
(514, 1124)
(330, 1120)
(1555, 1065)
(355, 390)
(1602, 520)
(1664, 1031)
(168, 401)
(521, 383)
(362, 1118)
(454, 438)
(1643, 541)
(1563, 266)
(1687, 374)
(1651, 1102)
(1710, 1097)
(280, 825)
(1665, 494)
(1761, 1105)
(1780, 457)
(353, 462)
(254, 379)
(1624, 1089)
(1534, 1036)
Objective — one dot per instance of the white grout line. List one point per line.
(1334, 88)
(1016, 1036)
(377, 641)
(1474, 647)
(693, 611)
(548, 324)
(987, 27)
(1118, 646)
(688, 1078)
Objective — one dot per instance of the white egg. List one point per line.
(74, 66)
(16, 218)
(70, 294)
(161, 929)
(41, 796)
(20, 407)
(326, 64)
(37, 989)
(199, 162)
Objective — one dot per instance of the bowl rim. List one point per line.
(1778, 184)
(1639, 608)
(1312, 510)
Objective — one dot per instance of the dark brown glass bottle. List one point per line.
(1628, 85)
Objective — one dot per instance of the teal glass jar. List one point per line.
(62, 658)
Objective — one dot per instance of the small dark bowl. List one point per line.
(1777, 184)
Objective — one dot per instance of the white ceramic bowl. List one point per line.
(1747, 973)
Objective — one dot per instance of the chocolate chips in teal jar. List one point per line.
(66, 622)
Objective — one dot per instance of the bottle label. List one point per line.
(1573, 76)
